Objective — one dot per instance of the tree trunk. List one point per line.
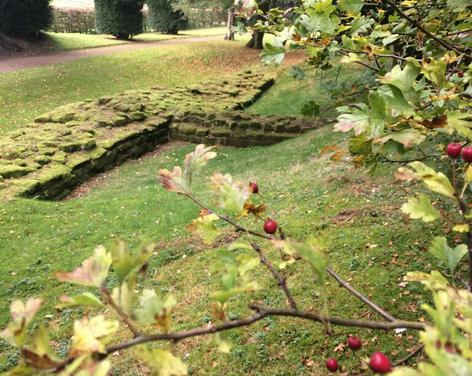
(230, 34)
(257, 38)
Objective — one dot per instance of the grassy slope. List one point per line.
(370, 244)
(57, 42)
(29, 93)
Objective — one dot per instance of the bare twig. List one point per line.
(409, 356)
(121, 314)
(282, 281)
(360, 296)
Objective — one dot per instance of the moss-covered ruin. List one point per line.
(67, 146)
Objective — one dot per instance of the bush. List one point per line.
(24, 18)
(120, 18)
(164, 18)
(73, 21)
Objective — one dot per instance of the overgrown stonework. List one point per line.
(72, 143)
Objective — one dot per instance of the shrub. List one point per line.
(24, 18)
(73, 21)
(120, 18)
(164, 18)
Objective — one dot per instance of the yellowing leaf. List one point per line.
(155, 310)
(124, 261)
(93, 271)
(40, 355)
(420, 208)
(198, 158)
(204, 226)
(174, 181)
(461, 227)
(230, 195)
(22, 314)
(85, 299)
(162, 363)
(92, 335)
(123, 297)
(435, 181)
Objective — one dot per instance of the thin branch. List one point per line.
(442, 42)
(409, 356)
(282, 281)
(122, 315)
(360, 296)
(261, 313)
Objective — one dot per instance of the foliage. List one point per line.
(120, 18)
(165, 18)
(205, 13)
(69, 20)
(445, 338)
(24, 18)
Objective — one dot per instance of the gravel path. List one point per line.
(11, 64)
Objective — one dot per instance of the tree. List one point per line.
(165, 18)
(120, 18)
(24, 18)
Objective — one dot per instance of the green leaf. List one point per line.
(458, 5)
(95, 369)
(124, 261)
(204, 226)
(297, 72)
(221, 340)
(22, 315)
(230, 195)
(351, 6)
(311, 109)
(162, 362)
(460, 122)
(123, 297)
(403, 79)
(434, 281)
(407, 137)
(311, 252)
(92, 335)
(93, 271)
(156, 310)
(435, 181)
(420, 208)
(451, 257)
(272, 55)
(85, 299)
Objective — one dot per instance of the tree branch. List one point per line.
(409, 356)
(361, 296)
(280, 279)
(121, 314)
(415, 23)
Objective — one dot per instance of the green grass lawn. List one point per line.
(370, 243)
(57, 42)
(29, 93)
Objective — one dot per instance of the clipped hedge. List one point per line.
(73, 21)
(120, 18)
(24, 18)
(164, 18)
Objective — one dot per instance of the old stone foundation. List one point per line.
(69, 145)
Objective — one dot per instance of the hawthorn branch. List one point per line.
(409, 356)
(282, 281)
(119, 311)
(360, 296)
(418, 25)
(261, 313)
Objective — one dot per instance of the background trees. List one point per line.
(165, 18)
(120, 18)
(24, 18)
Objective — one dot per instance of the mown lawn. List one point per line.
(57, 42)
(370, 242)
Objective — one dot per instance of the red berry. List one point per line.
(454, 150)
(354, 343)
(254, 187)
(467, 154)
(332, 364)
(270, 226)
(460, 74)
(379, 363)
